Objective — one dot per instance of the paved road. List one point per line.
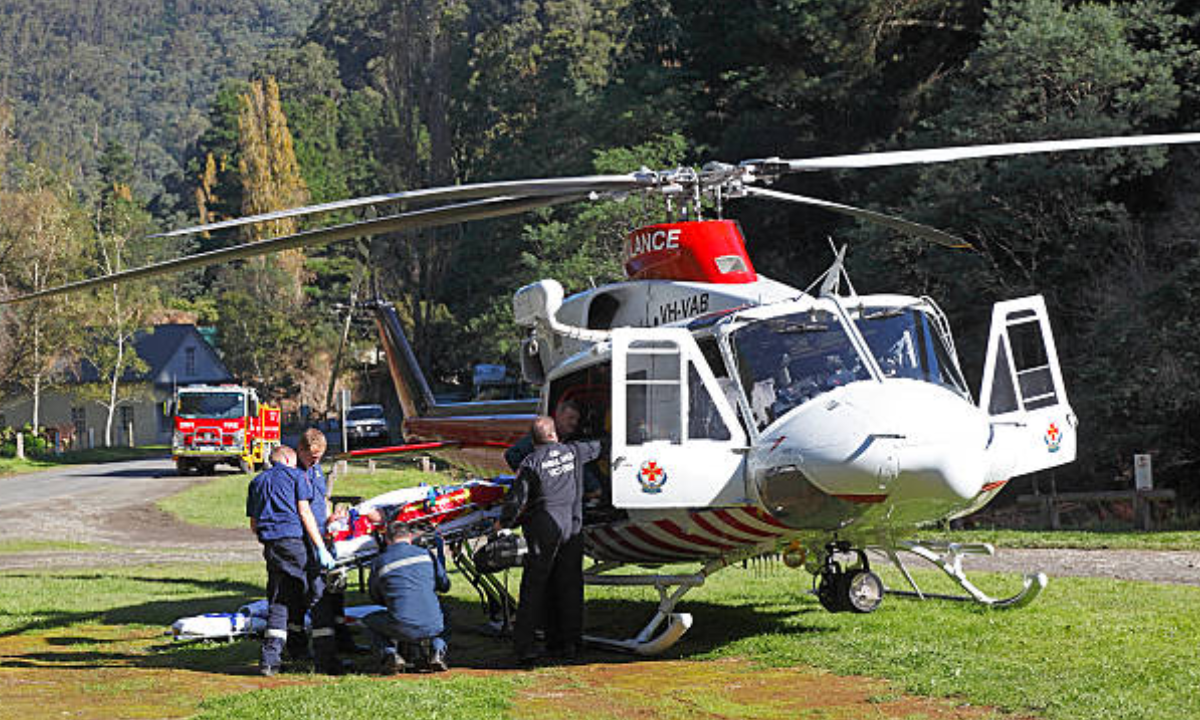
(117, 483)
(109, 504)
(1161, 566)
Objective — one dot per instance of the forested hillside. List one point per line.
(80, 73)
(378, 95)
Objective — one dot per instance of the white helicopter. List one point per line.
(746, 417)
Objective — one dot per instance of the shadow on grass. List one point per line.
(715, 626)
(228, 595)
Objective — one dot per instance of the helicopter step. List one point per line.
(948, 557)
(666, 627)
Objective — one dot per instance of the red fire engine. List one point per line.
(222, 424)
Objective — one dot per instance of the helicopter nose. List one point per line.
(896, 441)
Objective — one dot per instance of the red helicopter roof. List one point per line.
(712, 251)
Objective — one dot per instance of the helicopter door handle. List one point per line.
(619, 461)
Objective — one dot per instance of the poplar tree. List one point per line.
(263, 326)
(270, 174)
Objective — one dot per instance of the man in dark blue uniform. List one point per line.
(327, 604)
(548, 497)
(412, 631)
(278, 504)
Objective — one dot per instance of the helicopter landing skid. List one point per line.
(948, 557)
(666, 627)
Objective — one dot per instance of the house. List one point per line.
(174, 354)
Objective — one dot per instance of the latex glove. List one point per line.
(326, 558)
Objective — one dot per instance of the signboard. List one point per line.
(1143, 476)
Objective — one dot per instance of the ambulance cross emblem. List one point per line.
(1053, 438)
(652, 477)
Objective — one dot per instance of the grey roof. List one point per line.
(156, 348)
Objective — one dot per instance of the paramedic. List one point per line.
(567, 415)
(548, 504)
(327, 604)
(412, 632)
(278, 505)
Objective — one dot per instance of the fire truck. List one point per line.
(217, 424)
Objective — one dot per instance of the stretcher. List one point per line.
(453, 513)
(250, 619)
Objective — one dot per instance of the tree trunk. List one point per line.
(37, 401)
(112, 391)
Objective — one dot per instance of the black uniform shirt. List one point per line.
(550, 479)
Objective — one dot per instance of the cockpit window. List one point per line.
(786, 361)
(906, 344)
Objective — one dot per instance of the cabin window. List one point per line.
(906, 344)
(653, 392)
(1034, 377)
(1004, 395)
(704, 419)
(189, 362)
(788, 360)
(602, 311)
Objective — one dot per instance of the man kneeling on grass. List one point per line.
(411, 633)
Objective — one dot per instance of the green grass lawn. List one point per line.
(1094, 649)
(1086, 649)
(1083, 539)
(13, 466)
(20, 546)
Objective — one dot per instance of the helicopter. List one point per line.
(744, 417)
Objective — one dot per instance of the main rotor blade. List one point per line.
(965, 152)
(426, 218)
(525, 188)
(905, 226)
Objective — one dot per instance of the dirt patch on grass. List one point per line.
(730, 688)
(102, 671)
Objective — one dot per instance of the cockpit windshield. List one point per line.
(906, 344)
(785, 361)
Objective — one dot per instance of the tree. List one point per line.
(264, 326)
(121, 224)
(45, 225)
(1065, 225)
(270, 175)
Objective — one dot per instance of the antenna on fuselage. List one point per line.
(831, 279)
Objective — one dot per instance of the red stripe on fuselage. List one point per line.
(672, 528)
(633, 551)
(740, 526)
(667, 547)
(717, 532)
